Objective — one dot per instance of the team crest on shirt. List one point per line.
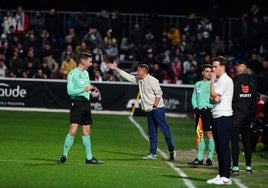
(82, 82)
(245, 88)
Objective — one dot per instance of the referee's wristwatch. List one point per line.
(154, 106)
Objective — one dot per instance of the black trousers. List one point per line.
(244, 132)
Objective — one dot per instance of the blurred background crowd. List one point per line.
(39, 44)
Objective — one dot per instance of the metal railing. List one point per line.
(129, 19)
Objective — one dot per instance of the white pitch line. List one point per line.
(187, 182)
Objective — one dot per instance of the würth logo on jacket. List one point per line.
(245, 90)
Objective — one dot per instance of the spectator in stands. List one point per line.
(176, 68)
(201, 46)
(149, 59)
(31, 41)
(52, 65)
(110, 44)
(262, 81)
(81, 47)
(37, 22)
(205, 28)
(110, 76)
(5, 51)
(102, 22)
(189, 26)
(53, 25)
(9, 20)
(97, 76)
(254, 33)
(191, 76)
(93, 38)
(242, 32)
(39, 74)
(82, 24)
(136, 41)
(154, 24)
(99, 55)
(174, 35)
(29, 68)
(67, 51)
(22, 22)
(217, 46)
(71, 21)
(3, 68)
(32, 55)
(72, 37)
(156, 72)
(46, 70)
(188, 62)
(67, 65)
(185, 45)
(165, 59)
(254, 64)
(15, 64)
(117, 27)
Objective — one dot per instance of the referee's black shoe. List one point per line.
(62, 159)
(94, 161)
(196, 162)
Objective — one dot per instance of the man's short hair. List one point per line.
(85, 55)
(223, 61)
(206, 66)
(144, 66)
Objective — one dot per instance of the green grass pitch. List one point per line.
(31, 142)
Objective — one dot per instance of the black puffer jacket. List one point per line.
(244, 100)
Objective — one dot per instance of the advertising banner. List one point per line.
(115, 96)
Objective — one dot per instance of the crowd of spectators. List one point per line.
(35, 46)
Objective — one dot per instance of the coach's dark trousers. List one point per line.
(222, 132)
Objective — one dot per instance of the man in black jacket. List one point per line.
(244, 109)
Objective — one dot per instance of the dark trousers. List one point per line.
(245, 138)
(222, 131)
(157, 118)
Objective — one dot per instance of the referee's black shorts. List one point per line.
(206, 116)
(80, 112)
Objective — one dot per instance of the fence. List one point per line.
(227, 25)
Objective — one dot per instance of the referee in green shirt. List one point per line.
(202, 108)
(80, 91)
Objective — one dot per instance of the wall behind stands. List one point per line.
(114, 96)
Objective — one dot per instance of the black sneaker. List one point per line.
(94, 161)
(196, 162)
(208, 162)
(62, 159)
(172, 155)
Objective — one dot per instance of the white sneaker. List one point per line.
(223, 181)
(211, 181)
(149, 156)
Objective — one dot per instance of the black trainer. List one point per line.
(208, 162)
(234, 171)
(62, 159)
(172, 155)
(94, 161)
(196, 162)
